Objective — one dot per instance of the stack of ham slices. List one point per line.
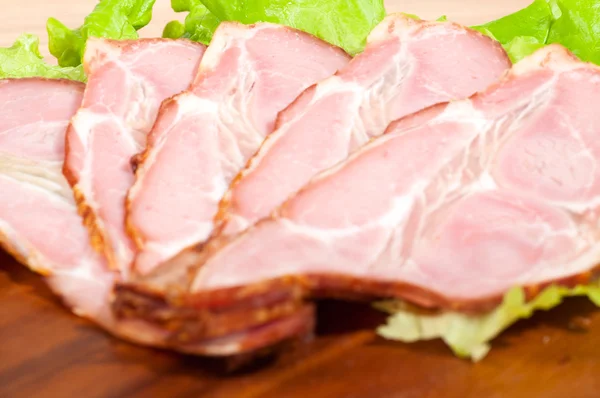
(199, 198)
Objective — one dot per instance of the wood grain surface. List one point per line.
(47, 352)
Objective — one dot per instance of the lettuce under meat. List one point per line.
(344, 23)
(111, 19)
(469, 336)
(23, 59)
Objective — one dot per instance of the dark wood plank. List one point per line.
(47, 352)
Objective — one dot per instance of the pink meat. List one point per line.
(39, 223)
(204, 136)
(454, 205)
(127, 81)
(407, 66)
(40, 226)
(34, 116)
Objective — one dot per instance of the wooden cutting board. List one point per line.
(47, 352)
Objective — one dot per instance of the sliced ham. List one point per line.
(127, 81)
(508, 177)
(320, 128)
(204, 136)
(450, 208)
(34, 116)
(407, 65)
(39, 224)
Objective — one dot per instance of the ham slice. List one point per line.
(39, 224)
(35, 114)
(204, 136)
(407, 65)
(127, 81)
(452, 207)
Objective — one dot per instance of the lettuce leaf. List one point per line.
(470, 336)
(199, 24)
(578, 28)
(23, 59)
(113, 19)
(344, 23)
(573, 23)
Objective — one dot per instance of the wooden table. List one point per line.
(47, 352)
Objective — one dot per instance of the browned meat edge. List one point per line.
(204, 315)
(264, 337)
(188, 322)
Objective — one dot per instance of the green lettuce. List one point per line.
(113, 19)
(199, 24)
(344, 23)
(23, 59)
(573, 23)
(469, 336)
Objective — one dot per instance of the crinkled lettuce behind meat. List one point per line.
(344, 23)
(23, 59)
(199, 24)
(115, 19)
(573, 23)
(112, 19)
